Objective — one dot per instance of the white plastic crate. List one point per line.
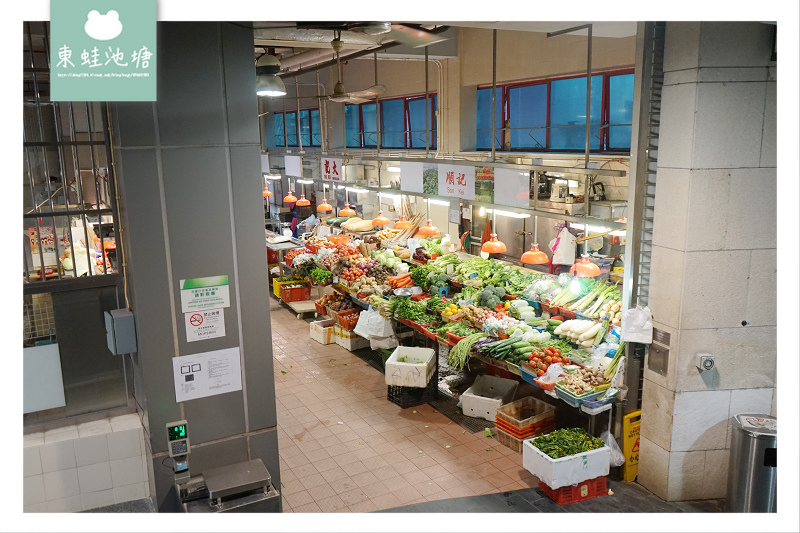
(488, 393)
(569, 470)
(415, 369)
(322, 331)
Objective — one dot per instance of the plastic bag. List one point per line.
(383, 342)
(552, 375)
(637, 325)
(617, 457)
(372, 324)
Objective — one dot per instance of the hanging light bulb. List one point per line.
(584, 268)
(381, 220)
(534, 256)
(303, 201)
(347, 211)
(428, 230)
(402, 224)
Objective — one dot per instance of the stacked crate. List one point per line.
(523, 419)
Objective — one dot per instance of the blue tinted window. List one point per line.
(417, 122)
(305, 131)
(351, 118)
(393, 123)
(568, 113)
(291, 128)
(315, 131)
(484, 119)
(620, 110)
(370, 123)
(277, 128)
(528, 116)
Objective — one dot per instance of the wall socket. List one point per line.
(704, 361)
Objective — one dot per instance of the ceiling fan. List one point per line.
(339, 94)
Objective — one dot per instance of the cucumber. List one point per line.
(554, 322)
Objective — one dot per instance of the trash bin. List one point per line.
(752, 470)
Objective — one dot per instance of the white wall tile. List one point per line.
(670, 212)
(91, 450)
(95, 427)
(124, 444)
(93, 478)
(735, 44)
(769, 140)
(123, 422)
(36, 508)
(127, 471)
(653, 467)
(71, 504)
(752, 208)
(61, 484)
(666, 275)
(707, 214)
(728, 126)
(33, 490)
(127, 493)
(657, 414)
(744, 357)
(714, 294)
(60, 434)
(762, 289)
(700, 421)
(686, 473)
(682, 45)
(715, 482)
(31, 462)
(59, 455)
(33, 439)
(93, 500)
(676, 134)
(752, 401)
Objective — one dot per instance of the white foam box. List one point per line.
(569, 470)
(410, 367)
(322, 331)
(349, 340)
(486, 394)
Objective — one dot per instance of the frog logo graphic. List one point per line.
(103, 27)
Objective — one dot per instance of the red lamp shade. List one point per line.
(534, 256)
(402, 224)
(584, 268)
(347, 211)
(303, 201)
(266, 192)
(493, 246)
(290, 198)
(325, 207)
(381, 220)
(428, 230)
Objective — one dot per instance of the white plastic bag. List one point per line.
(563, 248)
(637, 325)
(617, 457)
(383, 342)
(372, 324)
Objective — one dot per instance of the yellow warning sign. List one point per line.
(630, 444)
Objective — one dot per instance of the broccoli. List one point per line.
(492, 302)
(443, 277)
(500, 292)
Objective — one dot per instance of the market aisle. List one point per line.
(345, 448)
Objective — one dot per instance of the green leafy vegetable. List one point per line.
(565, 442)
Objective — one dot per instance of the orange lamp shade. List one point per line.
(381, 220)
(266, 192)
(428, 230)
(402, 224)
(493, 246)
(584, 268)
(325, 207)
(303, 201)
(290, 198)
(534, 256)
(347, 211)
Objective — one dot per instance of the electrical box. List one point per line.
(120, 331)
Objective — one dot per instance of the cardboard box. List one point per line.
(415, 370)
(569, 470)
(488, 393)
(322, 331)
(349, 340)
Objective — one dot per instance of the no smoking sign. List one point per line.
(207, 324)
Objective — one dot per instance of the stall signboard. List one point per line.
(411, 176)
(457, 181)
(484, 185)
(513, 187)
(210, 292)
(331, 169)
(293, 166)
(207, 374)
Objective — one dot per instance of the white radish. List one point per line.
(590, 333)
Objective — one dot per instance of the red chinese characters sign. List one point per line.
(457, 181)
(331, 169)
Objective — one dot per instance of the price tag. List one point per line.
(335, 279)
(450, 270)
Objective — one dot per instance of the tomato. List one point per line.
(557, 351)
(544, 367)
(540, 373)
(548, 359)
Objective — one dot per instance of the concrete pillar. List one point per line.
(713, 280)
(190, 182)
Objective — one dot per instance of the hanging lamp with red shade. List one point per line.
(402, 224)
(290, 198)
(428, 230)
(303, 201)
(347, 211)
(493, 246)
(534, 256)
(584, 268)
(324, 207)
(380, 220)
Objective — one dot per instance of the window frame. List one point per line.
(314, 130)
(407, 134)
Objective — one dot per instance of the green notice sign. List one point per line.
(103, 50)
(210, 292)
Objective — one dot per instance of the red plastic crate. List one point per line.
(575, 493)
(296, 294)
(539, 428)
(320, 308)
(348, 320)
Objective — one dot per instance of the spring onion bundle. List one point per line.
(458, 357)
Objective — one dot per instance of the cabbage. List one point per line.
(564, 279)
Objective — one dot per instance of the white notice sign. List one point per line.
(207, 324)
(457, 180)
(512, 187)
(293, 166)
(411, 176)
(207, 374)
